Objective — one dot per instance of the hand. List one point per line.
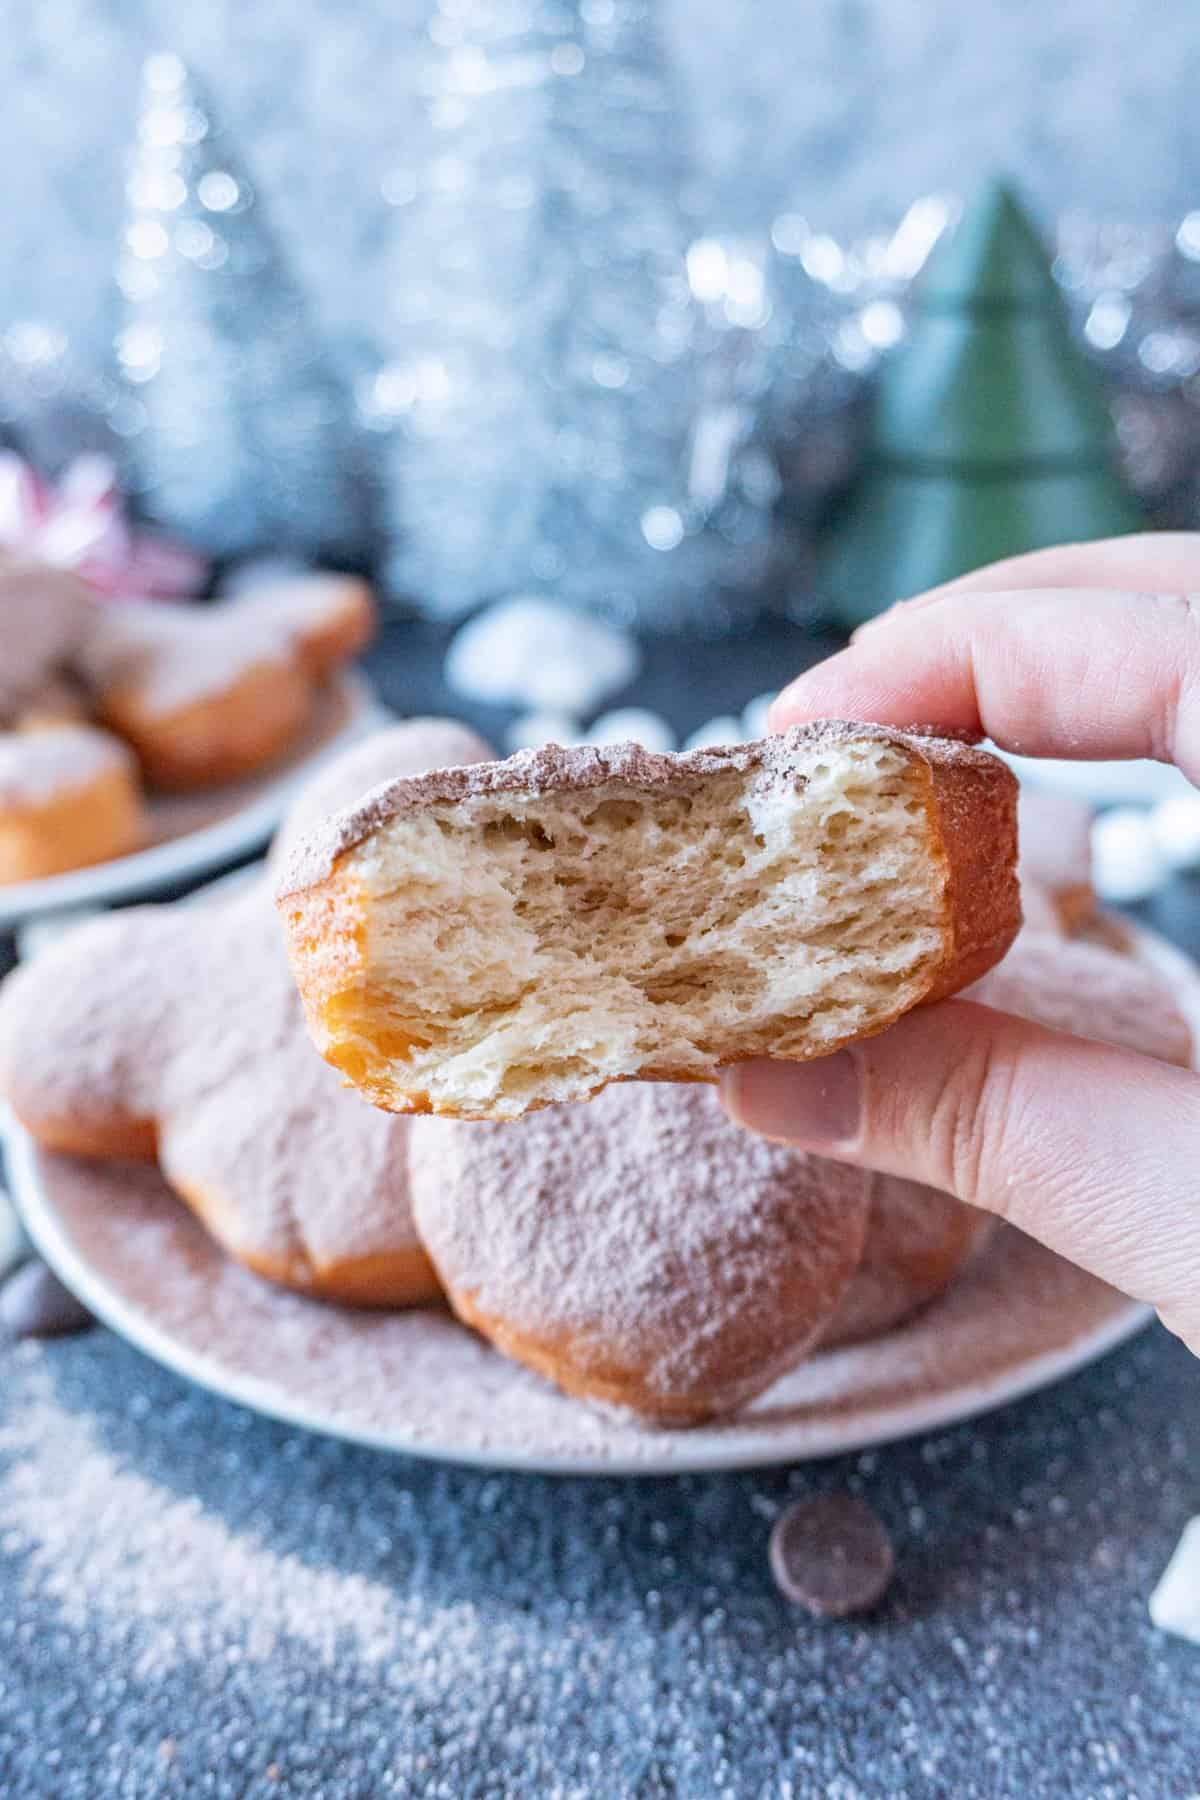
(1093, 1150)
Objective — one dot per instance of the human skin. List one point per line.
(1091, 650)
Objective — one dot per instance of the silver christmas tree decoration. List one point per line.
(545, 424)
(239, 434)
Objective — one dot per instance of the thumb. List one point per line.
(1091, 1149)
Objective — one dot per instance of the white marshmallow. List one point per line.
(1175, 1602)
(1127, 863)
(724, 729)
(632, 725)
(1176, 827)
(529, 652)
(754, 716)
(533, 729)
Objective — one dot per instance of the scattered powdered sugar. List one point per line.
(422, 1382)
(1175, 1602)
(113, 1548)
(37, 765)
(531, 653)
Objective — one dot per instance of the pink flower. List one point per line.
(80, 523)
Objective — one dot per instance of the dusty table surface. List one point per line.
(197, 1601)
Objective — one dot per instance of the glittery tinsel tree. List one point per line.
(990, 436)
(239, 433)
(536, 386)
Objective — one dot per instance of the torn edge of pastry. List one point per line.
(482, 941)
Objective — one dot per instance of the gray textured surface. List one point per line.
(845, 109)
(437, 1632)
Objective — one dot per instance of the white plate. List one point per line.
(196, 833)
(419, 1383)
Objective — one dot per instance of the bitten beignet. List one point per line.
(482, 942)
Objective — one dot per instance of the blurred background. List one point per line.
(844, 111)
(723, 327)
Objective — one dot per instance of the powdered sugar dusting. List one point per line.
(160, 1573)
(37, 765)
(413, 744)
(190, 1016)
(552, 768)
(648, 1230)
(176, 653)
(1091, 992)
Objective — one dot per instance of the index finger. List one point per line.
(1083, 673)
(1167, 561)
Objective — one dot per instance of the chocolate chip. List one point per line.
(35, 1304)
(831, 1554)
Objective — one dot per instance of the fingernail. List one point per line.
(812, 1103)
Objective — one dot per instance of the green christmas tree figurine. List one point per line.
(991, 435)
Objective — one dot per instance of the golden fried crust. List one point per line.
(98, 1135)
(589, 1376)
(219, 738)
(383, 1281)
(344, 629)
(79, 824)
(970, 811)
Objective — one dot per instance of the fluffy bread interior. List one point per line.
(513, 950)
